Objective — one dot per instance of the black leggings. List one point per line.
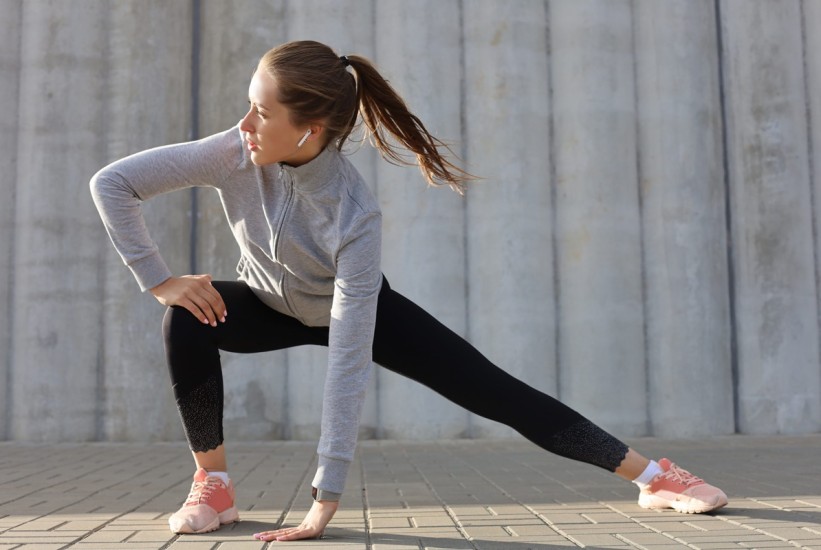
(407, 340)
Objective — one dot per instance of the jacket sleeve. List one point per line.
(119, 189)
(350, 343)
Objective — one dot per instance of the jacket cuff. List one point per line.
(150, 271)
(331, 474)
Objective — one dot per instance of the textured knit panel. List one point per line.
(201, 414)
(586, 442)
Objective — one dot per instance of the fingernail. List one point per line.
(223, 319)
(205, 321)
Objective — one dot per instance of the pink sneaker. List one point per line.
(209, 505)
(680, 490)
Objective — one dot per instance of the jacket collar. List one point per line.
(314, 174)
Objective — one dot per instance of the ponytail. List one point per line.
(315, 85)
(384, 112)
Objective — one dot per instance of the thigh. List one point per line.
(411, 342)
(251, 326)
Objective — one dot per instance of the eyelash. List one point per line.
(262, 116)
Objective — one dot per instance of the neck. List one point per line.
(303, 155)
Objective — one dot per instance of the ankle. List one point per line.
(222, 475)
(649, 474)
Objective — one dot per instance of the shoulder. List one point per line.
(353, 188)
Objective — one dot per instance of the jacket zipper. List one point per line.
(288, 200)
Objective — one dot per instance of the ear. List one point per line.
(316, 131)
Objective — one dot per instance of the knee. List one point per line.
(178, 323)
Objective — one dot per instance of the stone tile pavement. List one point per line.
(446, 495)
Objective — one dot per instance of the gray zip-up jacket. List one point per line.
(310, 247)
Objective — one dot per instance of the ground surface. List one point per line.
(453, 495)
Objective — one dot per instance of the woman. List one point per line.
(309, 233)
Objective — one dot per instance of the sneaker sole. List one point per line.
(225, 517)
(683, 507)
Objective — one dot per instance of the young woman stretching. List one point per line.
(309, 234)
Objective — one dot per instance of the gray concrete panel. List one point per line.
(347, 27)
(148, 95)
(689, 332)
(423, 255)
(812, 59)
(9, 88)
(510, 254)
(775, 292)
(601, 324)
(58, 254)
(256, 402)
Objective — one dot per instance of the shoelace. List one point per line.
(682, 476)
(201, 490)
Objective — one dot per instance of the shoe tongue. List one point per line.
(201, 475)
(665, 464)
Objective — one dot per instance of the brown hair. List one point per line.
(315, 86)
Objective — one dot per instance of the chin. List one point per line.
(256, 161)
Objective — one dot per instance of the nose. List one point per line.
(245, 125)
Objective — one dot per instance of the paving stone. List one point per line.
(39, 546)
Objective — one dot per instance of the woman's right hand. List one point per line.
(196, 294)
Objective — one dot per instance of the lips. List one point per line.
(251, 145)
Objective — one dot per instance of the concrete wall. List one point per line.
(687, 303)
(643, 244)
(775, 285)
(56, 366)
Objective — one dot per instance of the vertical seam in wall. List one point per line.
(554, 240)
(194, 128)
(810, 163)
(470, 429)
(378, 373)
(728, 217)
(9, 355)
(287, 419)
(648, 413)
(101, 401)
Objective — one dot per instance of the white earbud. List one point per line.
(304, 139)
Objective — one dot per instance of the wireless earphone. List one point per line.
(304, 139)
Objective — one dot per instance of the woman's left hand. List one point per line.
(311, 527)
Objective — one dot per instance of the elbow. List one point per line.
(98, 183)
(109, 183)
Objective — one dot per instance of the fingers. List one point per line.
(312, 527)
(194, 293)
(205, 303)
(291, 533)
(215, 300)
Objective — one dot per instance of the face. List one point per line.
(267, 131)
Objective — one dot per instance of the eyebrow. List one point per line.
(259, 105)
